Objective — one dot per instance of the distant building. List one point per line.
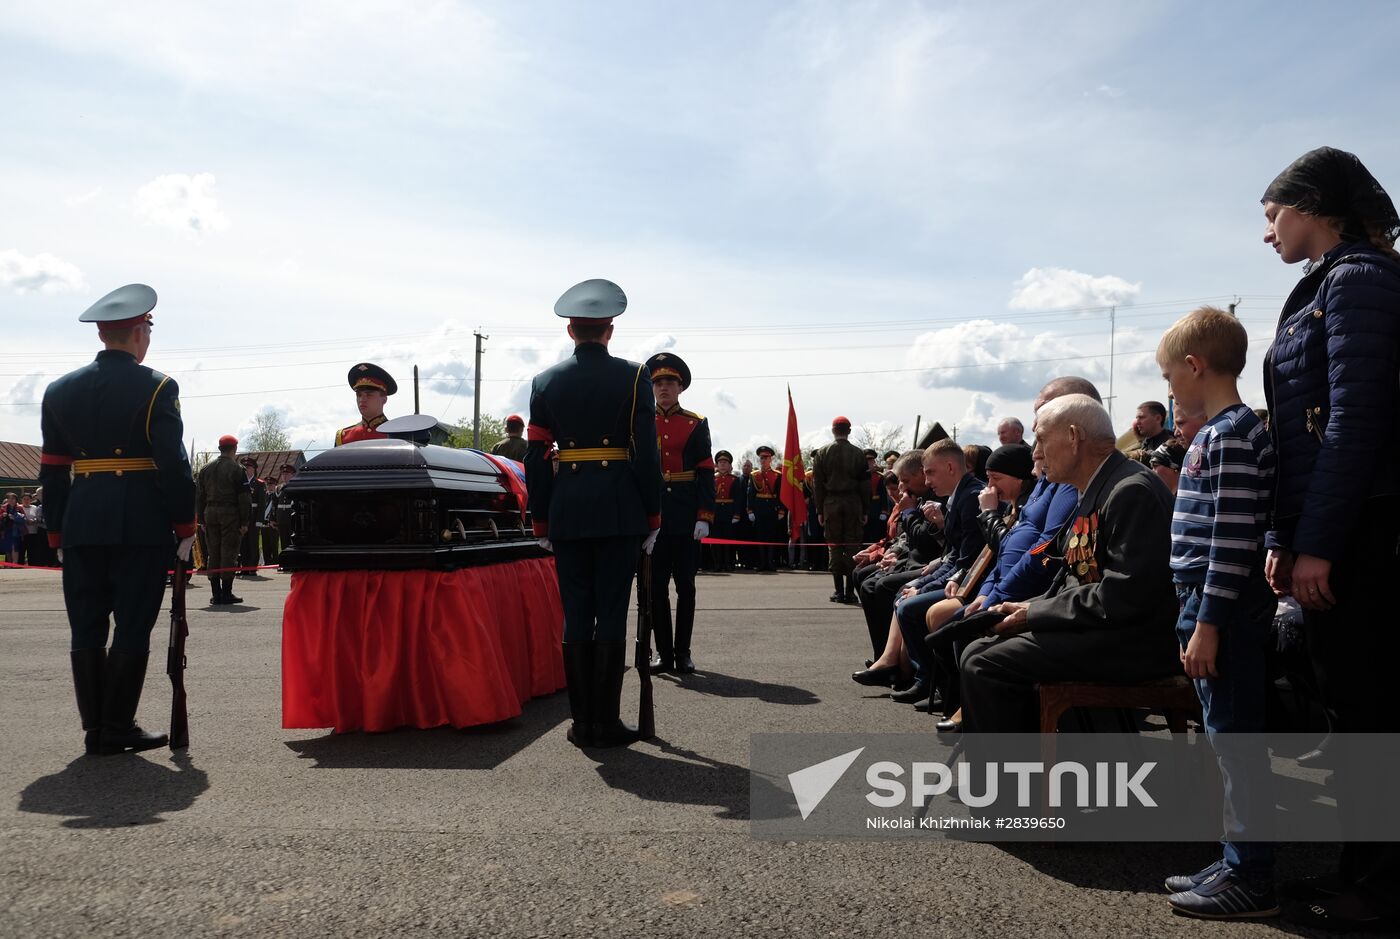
(19, 466)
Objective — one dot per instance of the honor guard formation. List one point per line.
(1217, 556)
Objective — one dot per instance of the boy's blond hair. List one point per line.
(1211, 335)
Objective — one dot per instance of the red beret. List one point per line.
(228, 440)
(839, 419)
(515, 419)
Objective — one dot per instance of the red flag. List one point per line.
(794, 476)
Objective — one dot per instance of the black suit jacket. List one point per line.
(1128, 584)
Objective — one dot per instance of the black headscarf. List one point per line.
(1335, 184)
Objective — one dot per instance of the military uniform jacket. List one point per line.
(364, 430)
(512, 448)
(687, 470)
(593, 401)
(765, 487)
(729, 497)
(838, 470)
(257, 492)
(114, 409)
(224, 483)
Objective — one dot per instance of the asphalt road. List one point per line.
(506, 830)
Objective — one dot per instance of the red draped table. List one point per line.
(375, 650)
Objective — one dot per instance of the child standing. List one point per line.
(1218, 528)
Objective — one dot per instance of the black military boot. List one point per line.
(88, 665)
(216, 591)
(685, 625)
(578, 661)
(839, 594)
(229, 598)
(122, 682)
(606, 696)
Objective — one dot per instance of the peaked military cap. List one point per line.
(724, 455)
(669, 365)
(870, 452)
(591, 300)
(764, 448)
(369, 375)
(125, 306)
(414, 427)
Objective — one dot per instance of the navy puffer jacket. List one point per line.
(1332, 377)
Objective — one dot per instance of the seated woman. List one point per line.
(1017, 575)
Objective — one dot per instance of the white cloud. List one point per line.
(182, 202)
(41, 273)
(365, 53)
(1109, 91)
(24, 395)
(998, 358)
(82, 198)
(1055, 288)
(979, 422)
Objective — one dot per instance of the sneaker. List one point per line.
(1222, 895)
(1179, 883)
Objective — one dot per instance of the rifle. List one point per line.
(646, 711)
(175, 660)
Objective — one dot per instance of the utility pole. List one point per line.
(415, 390)
(1112, 331)
(476, 395)
(917, 419)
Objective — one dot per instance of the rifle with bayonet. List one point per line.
(646, 712)
(175, 660)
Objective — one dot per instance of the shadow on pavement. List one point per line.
(483, 747)
(693, 779)
(116, 791)
(729, 686)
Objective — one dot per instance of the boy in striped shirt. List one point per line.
(1218, 528)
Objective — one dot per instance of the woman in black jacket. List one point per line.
(1332, 377)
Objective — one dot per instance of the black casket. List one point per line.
(394, 504)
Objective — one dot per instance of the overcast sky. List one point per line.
(898, 208)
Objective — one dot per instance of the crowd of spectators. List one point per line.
(1180, 556)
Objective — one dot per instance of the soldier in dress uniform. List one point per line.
(596, 502)
(765, 511)
(118, 493)
(877, 509)
(729, 507)
(224, 511)
(372, 386)
(687, 510)
(251, 542)
(513, 447)
(840, 491)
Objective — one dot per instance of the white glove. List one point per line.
(752, 517)
(185, 549)
(60, 555)
(650, 541)
(546, 544)
(702, 530)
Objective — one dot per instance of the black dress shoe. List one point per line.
(684, 665)
(660, 666)
(837, 598)
(915, 692)
(851, 600)
(876, 677)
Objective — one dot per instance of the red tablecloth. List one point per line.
(375, 650)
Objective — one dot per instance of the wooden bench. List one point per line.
(1174, 697)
